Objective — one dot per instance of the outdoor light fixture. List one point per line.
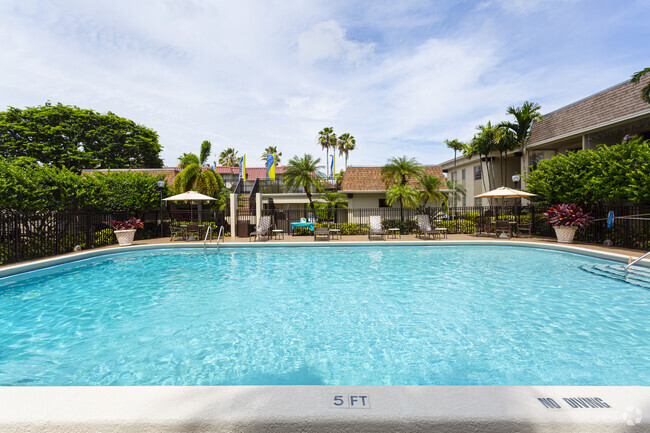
(516, 178)
(161, 186)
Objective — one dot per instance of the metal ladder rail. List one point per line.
(627, 268)
(207, 232)
(221, 230)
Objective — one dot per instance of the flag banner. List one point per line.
(270, 167)
(332, 167)
(242, 168)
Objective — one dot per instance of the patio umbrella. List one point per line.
(504, 192)
(189, 196)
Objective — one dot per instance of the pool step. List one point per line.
(636, 276)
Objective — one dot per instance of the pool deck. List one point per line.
(329, 408)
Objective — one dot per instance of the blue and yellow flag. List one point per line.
(242, 168)
(270, 167)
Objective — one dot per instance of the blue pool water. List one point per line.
(389, 315)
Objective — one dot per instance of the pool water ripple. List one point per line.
(441, 315)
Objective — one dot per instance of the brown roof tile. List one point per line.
(369, 178)
(611, 104)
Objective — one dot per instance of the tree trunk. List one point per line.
(455, 175)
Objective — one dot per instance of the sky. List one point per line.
(400, 76)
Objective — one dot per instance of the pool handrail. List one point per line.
(638, 259)
(207, 232)
(219, 236)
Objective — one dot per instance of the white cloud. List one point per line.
(327, 41)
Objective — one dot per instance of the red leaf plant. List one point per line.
(567, 215)
(130, 224)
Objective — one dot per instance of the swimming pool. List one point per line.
(380, 315)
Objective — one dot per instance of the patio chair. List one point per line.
(525, 227)
(176, 232)
(192, 230)
(321, 232)
(502, 226)
(424, 227)
(482, 225)
(375, 228)
(263, 228)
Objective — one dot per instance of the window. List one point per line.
(464, 200)
(478, 202)
(463, 176)
(478, 171)
(453, 176)
(382, 202)
(533, 160)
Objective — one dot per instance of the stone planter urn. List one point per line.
(565, 234)
(125, 237)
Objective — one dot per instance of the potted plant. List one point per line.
(125, 230)
(566, 219)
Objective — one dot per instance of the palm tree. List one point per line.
(327, 140)
(484, 143)
(398, 172)
(457, 146)
(229, 158)
(456, 191)
(405, 195)
(636, 79)
(430, 189)
(334, 199)
(346, 143)
(304, 172)
(272, 150)
(525, 116)
(195, 176)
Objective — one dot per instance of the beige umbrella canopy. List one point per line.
(504, 192)
(189, 196)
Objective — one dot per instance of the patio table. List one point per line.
(299, 224)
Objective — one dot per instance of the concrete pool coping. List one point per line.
(324, 408)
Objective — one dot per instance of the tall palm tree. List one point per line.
(327, 140)
(430, 189)
(405, 195)
(457, 145)
(195, 176)
(304, 172)
(398, 172)
(272, 150)
(636, 79)
(525, 116)
(346, 143)
(229, 158)
(483, 144)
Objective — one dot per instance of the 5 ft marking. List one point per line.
(350, 401)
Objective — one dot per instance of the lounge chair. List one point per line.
(263, 228)
(375, 228)
(321, 232)
(424, 227)
(525, 227)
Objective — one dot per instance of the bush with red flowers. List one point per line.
(567, 215)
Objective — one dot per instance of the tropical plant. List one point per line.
(304, 172)
(334, 199)
(430, 189)
(636, 79)
(130, 224)
(525, 116)
(506, 142)
(456, 191)
(346, 143)
(187, 159)
(484, 143)
(567, 215)
(457, 146)
(272, 150)
(400, 170)
(229, 158)
(194, 176)
(327, 140)
(405, 195)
